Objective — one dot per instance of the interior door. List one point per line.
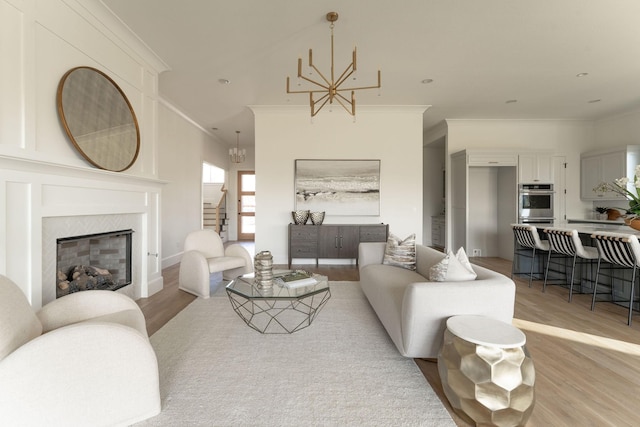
(246, 205)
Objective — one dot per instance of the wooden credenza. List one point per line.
(332, 240)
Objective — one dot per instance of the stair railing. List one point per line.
(221, 202)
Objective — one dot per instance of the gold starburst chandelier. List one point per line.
(331, 88)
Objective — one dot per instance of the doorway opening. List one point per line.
(214, 199)
(246, 205)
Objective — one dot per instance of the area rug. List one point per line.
(343, 370)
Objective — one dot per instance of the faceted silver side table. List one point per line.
(486, 371)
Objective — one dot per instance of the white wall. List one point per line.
(212, 193)
(507, 208)
(615, 131)
(41, 174)
(623, 129)
(49, 38)
(184, 147)
(391, 134)
(483, 210)
(563, 137)
(433, 204)
(492, 207)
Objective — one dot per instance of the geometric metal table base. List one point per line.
(487, 385)
(279, 316)
(279, 310)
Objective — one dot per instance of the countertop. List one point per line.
(595, 221)
(590, 226)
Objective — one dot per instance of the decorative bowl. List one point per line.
(633, 223)
(317, 218)
(300, 217)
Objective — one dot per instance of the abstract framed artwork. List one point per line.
(338, 187)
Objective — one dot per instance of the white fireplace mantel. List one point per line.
(44, 201)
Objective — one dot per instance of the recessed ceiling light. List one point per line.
(582, 74)
(427, 81)
(511, 101)
(224, 81)
(593, 101)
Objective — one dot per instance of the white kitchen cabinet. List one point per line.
(535, 168)
(606, 166)
(491, 158)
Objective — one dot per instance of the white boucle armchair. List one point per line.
(83, 359)
(204, 254)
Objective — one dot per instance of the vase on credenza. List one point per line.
(317, 218)
(300, 217)
(633, 223)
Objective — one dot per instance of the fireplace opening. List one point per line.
(94, 261)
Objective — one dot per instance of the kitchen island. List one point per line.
(560, 264)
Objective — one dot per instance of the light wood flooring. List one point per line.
(587, 363)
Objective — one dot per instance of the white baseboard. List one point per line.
(172, 260)
(155, 285)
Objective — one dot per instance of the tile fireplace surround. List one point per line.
(55, 228)
(44, 202)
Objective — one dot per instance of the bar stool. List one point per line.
(567, 242)
(617, 249)
(527, 237)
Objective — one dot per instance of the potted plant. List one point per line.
(627, 188)
(630, 190)
(601, 212)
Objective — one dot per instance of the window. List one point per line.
(212, 174)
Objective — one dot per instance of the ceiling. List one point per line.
(479, 54)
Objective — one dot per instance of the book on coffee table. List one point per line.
(296, 279)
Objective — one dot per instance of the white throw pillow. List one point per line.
(438, 272)
(452, 268)
(401, 253)
(461, 255)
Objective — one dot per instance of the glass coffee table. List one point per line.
(278, 310)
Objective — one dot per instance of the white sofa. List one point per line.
(414, 310)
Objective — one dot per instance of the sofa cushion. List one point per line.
(222, 263)
(401, 253)
(131, 318)
(452, 268)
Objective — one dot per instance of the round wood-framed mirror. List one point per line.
(98, 119)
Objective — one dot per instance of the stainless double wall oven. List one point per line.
(535, 203)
